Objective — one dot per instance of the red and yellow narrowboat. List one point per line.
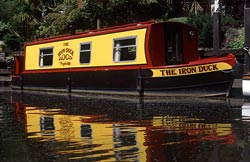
(150, 58)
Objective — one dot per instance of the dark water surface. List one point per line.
(40, 127)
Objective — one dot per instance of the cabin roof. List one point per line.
(107, 30)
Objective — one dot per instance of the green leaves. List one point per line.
(147, 2)
(205, 25)
(31, 19)
(234, 38)
(4, 26)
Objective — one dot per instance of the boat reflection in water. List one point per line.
(71, 128)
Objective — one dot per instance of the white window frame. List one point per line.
(41, 56)
(117, 49)
(89, 50)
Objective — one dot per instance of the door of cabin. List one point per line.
(173, 45)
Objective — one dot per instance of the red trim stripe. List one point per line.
(122, 67)
(86, 34)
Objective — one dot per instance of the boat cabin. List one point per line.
(144, 44)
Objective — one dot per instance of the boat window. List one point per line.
(85, 52)
(46, 57)
(124, 49)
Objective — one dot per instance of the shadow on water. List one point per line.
(49, 127)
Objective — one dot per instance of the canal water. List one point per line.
(47, 127)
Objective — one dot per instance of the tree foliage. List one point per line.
(30, 19)
(205, 25)
(234, 8)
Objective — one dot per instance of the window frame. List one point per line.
(41, 56)
(127, 46)
(90, 52)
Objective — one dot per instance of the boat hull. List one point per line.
(128, 82)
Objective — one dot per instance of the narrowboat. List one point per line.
(146, 58)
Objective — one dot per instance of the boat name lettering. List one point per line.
(168, 72)
(212, 67)
(186, 70)
(65, 55)
(66, 44)
(65, 63)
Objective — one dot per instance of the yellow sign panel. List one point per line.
(189, 70)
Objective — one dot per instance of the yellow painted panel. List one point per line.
(101, 55)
